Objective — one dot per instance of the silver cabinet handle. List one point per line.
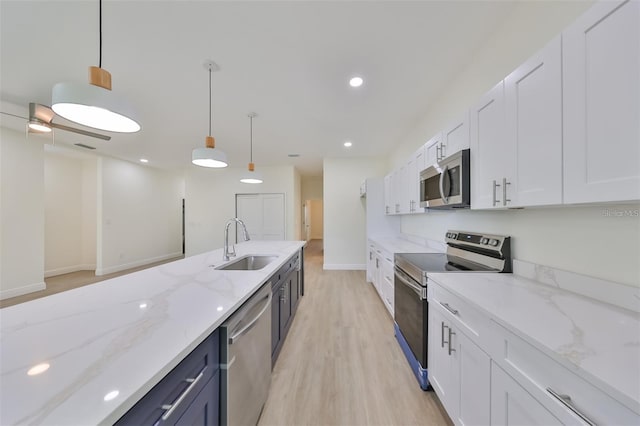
(505, 200)
(566, 401)
(442, 342)
(451, 333)
(170, 408)
(449, 308)
(370, 255)
(495, 187)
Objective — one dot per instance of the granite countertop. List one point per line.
(597, 340)
(120, 335)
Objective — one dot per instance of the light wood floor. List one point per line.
(341, 364)
(64, 282)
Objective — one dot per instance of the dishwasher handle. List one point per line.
(246, 328)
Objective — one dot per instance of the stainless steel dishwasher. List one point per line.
(245, 360)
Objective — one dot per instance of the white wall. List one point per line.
(590, 240)
(139, 215)
(297, 205)
(210, 202)
(21, 214)
(344, 210)
(312, 188)
(70, 210)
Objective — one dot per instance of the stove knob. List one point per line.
(493, 242)
(448, 234)
(484, 241)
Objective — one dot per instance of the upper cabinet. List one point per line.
(490, 152)
(533, 106)
(455, 136)
(601, 95)
(432, 150)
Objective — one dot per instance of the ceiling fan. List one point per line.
(41, 121)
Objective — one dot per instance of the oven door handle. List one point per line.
(415, 287)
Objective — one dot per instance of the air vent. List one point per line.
(294, 155)
(81, 145)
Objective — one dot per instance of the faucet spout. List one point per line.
(231, 251)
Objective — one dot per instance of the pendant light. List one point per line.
(209, 156)
(251, 176)
(94, 104)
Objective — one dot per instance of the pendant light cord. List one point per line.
(100, 33)
(209, 100)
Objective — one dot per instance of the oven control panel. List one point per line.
(484, 241)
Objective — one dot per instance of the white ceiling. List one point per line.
(288, 61)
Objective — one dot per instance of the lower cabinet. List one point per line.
(287, 290)
(459, 371)
(205, 409)
(189, 394)
(511, 404)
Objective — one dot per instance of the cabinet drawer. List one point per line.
(540, 375)
(475, 325)
(187, 379)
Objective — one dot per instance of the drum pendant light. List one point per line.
(209, 156)
(251, 176)
(94, 104)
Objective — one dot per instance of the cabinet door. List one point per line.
(432, 150)
(533, 99)
(439, 362)
(285, 308)
(205, 408)
(403, 189)
(275, 321)
(491, 156)
(417, 165)
(601, 104)
(294, 287)
(473, 370)
(388, 197)
(512, 405)
(455, 136)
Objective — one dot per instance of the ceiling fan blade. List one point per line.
(46, 115)
(80, 131)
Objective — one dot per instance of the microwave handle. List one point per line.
(445, 198)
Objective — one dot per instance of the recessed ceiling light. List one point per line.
(356, 82)
(348, 144)
(38, 369)
(111, 395)
(144, 160)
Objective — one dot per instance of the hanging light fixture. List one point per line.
(251, 176)
(94, 104)
(209, 156)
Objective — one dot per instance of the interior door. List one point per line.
(263, 214)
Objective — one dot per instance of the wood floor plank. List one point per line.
(341, 364)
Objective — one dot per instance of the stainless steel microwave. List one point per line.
(446, 184)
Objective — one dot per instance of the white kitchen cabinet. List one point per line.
(533, 105)
(601, 104)
(491, 159)
(389, 207)
(402, 191)
(512, 405)
(415, 165)
(455, 136)
(459, 371)
(432, 150)
(371, 261)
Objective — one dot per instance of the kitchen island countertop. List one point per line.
(118, 337)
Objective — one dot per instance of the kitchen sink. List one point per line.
(248, 263)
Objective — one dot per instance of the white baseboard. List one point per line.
(69, 269)
(344, 267)
(122, 267)
(13, 292)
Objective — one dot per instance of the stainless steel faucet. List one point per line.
(245, 234)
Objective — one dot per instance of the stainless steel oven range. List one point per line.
(466, 252)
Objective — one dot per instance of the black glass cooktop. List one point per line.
(418, 263)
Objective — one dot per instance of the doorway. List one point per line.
(313, 220)
(263, 214)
